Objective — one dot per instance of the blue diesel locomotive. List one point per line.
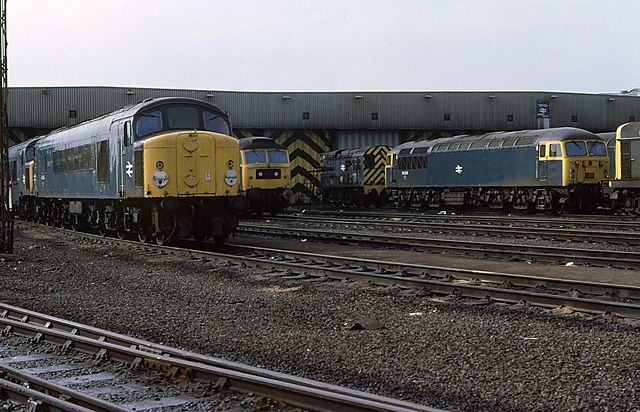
(545, 169)
(160, 169)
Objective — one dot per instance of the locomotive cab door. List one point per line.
(126, 167)
(541, 170)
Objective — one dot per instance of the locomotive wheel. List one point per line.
(162, 238)
(143, 235)
(220, 239)
(199, 236)
(73, 222)
(121, 231)
(102, 231)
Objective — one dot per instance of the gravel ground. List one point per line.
(451, 355)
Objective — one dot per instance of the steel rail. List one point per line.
(558, 233)
(619, 222)
(456, 274)
(576, 255)
(77, 399)
(443, 286)
(35, 400)
(299, 392)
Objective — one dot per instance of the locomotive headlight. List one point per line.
(231, 177)
(160, 178)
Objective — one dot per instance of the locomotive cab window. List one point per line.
(14, 171)
(542, 151)
(149, 123)
(573, 149)
(596, 149)
(257, 156)
(127, 134)
(277, 156)
(214, 122)
(554, 150)
(182, 117)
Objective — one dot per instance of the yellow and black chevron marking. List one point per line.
(305, 148)
(374, 175)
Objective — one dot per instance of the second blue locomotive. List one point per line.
(545, 169)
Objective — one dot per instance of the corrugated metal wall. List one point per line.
(48, 107)
(352, 139)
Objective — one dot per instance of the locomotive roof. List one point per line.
(359, 151)
(102, 124)
(523, 138)
(259, 142)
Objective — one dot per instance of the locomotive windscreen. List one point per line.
(180, 118)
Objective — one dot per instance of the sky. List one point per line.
(326, 45)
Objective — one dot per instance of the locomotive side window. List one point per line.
(554, 150)
(575, 149)
(73, 159)
(214, 122)
(542, 151)
(596, 149)
(103, 161)
(182, 117)
(149, 123)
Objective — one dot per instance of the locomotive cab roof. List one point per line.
(103, 124)
(357, 152)
(259, 142)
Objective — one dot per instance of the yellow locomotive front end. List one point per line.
(186, 171)
(585, 162)
(265, 175)
(186, 164)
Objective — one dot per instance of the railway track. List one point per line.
(101, 344)
(590, 222)
(622, 259)
(626, 238)
(588, 297)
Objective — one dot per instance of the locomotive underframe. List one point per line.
(354, 196)
(261, 200)
(579, 197)
(626, 200)
(160, 220)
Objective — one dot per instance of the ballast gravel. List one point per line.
(441, 353)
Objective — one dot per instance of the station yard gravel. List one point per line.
(450, 355)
